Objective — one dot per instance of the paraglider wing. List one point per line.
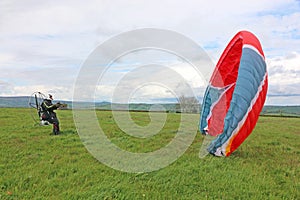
(235, 95)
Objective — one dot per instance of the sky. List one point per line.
(44, 44)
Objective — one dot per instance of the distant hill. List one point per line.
(281, 110)
(14, 102)
(22, 102)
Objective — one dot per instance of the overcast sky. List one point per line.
(43, 44)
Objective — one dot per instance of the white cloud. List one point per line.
(148, 82)
(284, 75)
(38, 39)
(5, 87)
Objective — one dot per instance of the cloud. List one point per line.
(5, 88)
(284, 79)
(283, 100)
(146, 82)
(44, 44)
(284, 71)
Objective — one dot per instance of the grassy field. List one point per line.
(37, 165)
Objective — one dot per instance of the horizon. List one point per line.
(162, 102)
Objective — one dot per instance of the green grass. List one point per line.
(37, 165)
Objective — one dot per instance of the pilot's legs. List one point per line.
(51, 118)
(55, 123)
